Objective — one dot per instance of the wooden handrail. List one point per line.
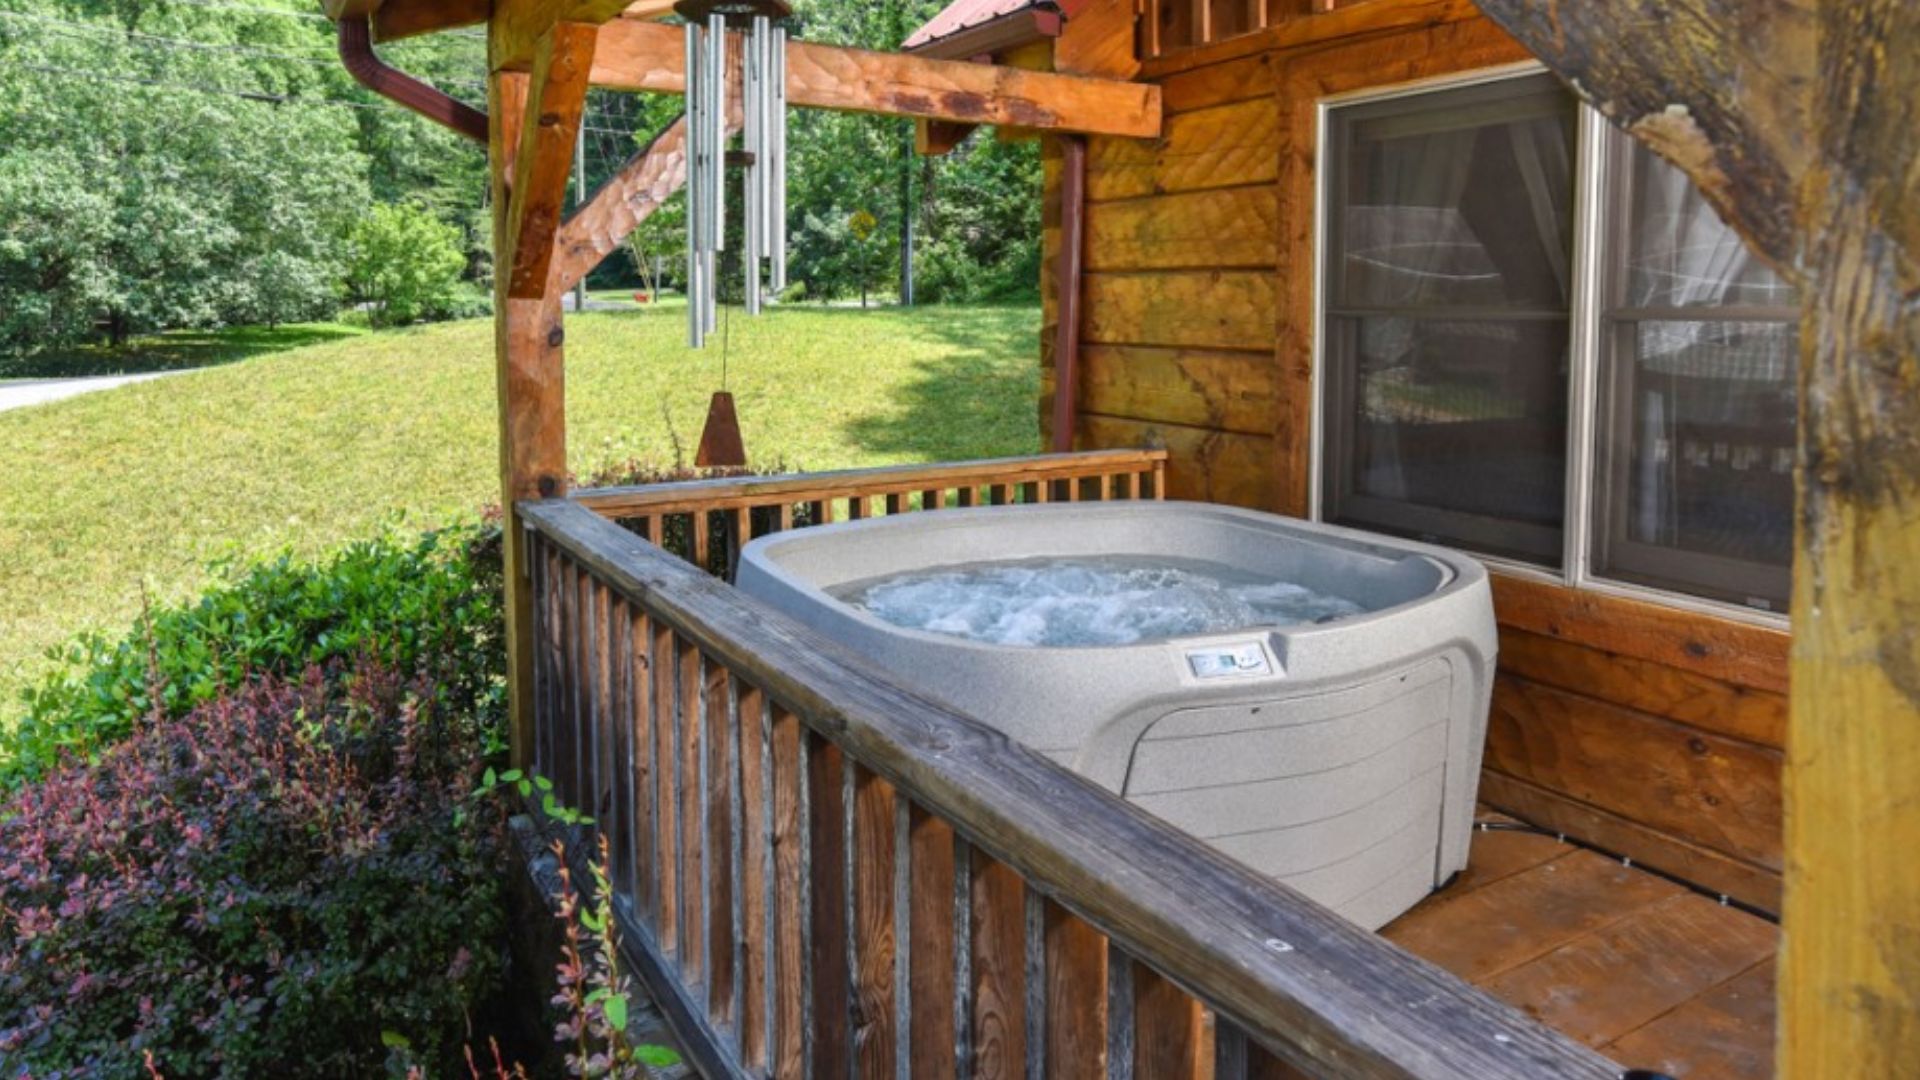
(727, 492)
(1308, 987)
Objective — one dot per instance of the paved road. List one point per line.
(19, 395)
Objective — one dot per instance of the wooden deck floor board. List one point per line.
(1658, 976)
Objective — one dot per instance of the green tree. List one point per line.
(405, 264)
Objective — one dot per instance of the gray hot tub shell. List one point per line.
(1342, 758)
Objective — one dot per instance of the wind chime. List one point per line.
(763, 164)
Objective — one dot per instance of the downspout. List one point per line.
(1068, 271)
(356, 54)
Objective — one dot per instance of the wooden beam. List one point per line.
(514, 34)
(1796, 122)
(650, 57)
(399, 19)
(556, 95)
(606, 219)
(530, 387)
(938, 138)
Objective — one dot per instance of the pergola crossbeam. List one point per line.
(649, 57)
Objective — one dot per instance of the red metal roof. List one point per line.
(971, 15)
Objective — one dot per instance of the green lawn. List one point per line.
(174, 351)
(140, 487)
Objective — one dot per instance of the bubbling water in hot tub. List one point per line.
(1089, 601)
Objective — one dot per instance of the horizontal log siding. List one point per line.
(1646, 730)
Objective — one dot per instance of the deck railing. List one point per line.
(821, 875)
(707, 521)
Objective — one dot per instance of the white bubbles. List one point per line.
(1089, 601)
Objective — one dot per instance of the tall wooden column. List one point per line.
(1797, 119)
(530, 375)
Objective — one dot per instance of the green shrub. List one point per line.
(429, 606)
(405, 264)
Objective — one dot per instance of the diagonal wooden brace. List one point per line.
(556, 97)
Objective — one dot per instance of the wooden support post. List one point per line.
(1796, 121)
(532, 401)
(556, 96)
(1068, 266)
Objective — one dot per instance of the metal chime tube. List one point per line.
(763, 106)
(777, 159)
(753, 104)
(696, 195)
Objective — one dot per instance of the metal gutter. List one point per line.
(356, 55)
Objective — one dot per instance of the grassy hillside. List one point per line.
(139, 488)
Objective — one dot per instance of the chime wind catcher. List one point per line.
(763, 167)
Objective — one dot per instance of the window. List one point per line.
(1450, 366)
(1694, 458)
(1449, 285)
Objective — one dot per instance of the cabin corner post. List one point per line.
(1795, 120)
(531, 391)
(1068, 269)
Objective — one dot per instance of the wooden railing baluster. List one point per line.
(831, 999)
(643, 883)
(693, 787)
(962, 933)
(1076, 988)
(667, 728)
(1120, 1025)
(1034, 981)
(621, 774)
(720, 728)
(790, 950)
(756, 881)
(874, 851)
(1170, 1030)
(998, 912)
(929, 945)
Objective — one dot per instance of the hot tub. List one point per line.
(1309, 699)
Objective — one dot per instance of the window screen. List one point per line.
(1694, 463)
(1447, 284)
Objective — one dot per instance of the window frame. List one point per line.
(1598, 148)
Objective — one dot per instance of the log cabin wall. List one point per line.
(1647, 730)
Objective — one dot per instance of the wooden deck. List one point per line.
(1649, 972)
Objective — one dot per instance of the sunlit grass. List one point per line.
(142, 486)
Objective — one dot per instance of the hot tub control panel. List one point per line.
(1231, 660)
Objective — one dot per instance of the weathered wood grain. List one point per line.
(1076, 997)
(694, 862)
(1701, 787)
(1701, 865)
(647, 852)
(1724, 1034)
(830, 1005)
(1205, 388)
(874, 946)
(530, 393)
(1712, 705)
(1171, 1035)
(1324, 999)
(1507, 923)
(790, 951)
(1735, 652)
(668, 731)
(1229, 146)
(650, 57)
(756, 875)
(998, 967)
(1217, 229)
(723, 935)
(556, 96)
(1215, 466)
(931, 985)
(1212, 309)
(1619, 978)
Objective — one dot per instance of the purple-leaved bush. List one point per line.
(261, 888)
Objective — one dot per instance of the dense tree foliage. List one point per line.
(173, 163)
